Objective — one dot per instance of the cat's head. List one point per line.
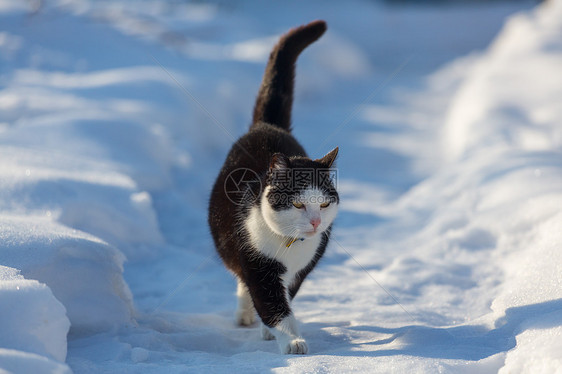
(300, 198)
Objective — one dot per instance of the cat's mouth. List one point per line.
(310, 233)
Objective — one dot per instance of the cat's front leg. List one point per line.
(263, 281)
(288, 337)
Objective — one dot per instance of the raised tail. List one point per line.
(275, 97)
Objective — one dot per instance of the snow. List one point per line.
(82, 272)
(115, 119)
(33, 324)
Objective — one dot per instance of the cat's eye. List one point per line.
(325, 205)
(298, 204)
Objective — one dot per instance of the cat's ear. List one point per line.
(330, 157)
(279, 161)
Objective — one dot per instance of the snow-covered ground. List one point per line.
(115, 117)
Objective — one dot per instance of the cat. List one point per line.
(271, 207)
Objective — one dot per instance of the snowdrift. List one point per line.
(33, 320)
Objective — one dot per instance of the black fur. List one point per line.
(267, 150)
(275, 97)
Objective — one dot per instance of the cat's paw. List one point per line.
(266, 334)
(245, 317)
(296, 346)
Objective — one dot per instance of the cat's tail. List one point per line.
(275, 97)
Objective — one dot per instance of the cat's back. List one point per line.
(252, 153)
(255, 148)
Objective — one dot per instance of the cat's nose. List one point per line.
(315, 222)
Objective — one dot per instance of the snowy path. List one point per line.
(114, 120)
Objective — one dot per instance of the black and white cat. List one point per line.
(272, 207)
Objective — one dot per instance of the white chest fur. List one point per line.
(272, 245)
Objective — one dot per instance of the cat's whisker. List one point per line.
(283, 244)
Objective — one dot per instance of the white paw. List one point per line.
(296, 346)
(245, 317)
(265, 333)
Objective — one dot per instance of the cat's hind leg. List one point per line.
(245, 314)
